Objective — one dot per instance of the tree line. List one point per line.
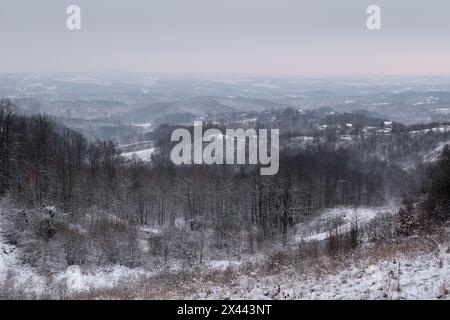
(43, 163)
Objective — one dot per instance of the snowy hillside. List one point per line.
(401, 276)
(415, 268)
(340, 219)
(144, 155)
(428, 157)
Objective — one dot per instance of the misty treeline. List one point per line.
(95, 200)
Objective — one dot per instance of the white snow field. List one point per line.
(342, 218)
(416, 276)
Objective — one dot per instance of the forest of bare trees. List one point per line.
(61, 180)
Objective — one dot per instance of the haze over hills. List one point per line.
(141, 98)
(129, 108)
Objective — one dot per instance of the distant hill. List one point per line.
(195, 106)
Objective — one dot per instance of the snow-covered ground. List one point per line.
(144, 155)
(434, 154)
(340, 219)
(404, 276)
(428, 157)
(12, 273)
(417, 272)
(19, 277)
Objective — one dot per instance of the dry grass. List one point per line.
(290, 264)
(179, 285)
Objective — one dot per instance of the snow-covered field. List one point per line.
(340, 219)
(416, 268)
(402, 276)
(15, 276)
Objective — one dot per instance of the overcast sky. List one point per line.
(294, 37)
